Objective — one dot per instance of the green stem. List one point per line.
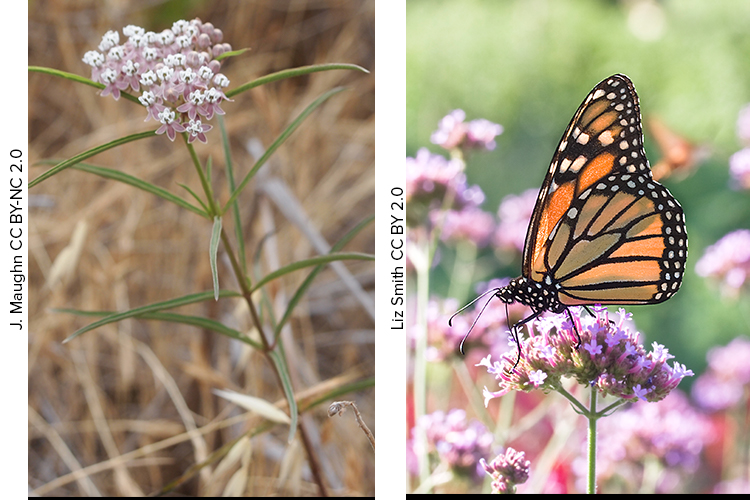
(593, 417)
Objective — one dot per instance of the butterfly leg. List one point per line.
(514, 331)
(575, 328)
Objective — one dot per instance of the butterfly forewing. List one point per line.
(603, 231)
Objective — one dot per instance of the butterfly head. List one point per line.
(539, 296)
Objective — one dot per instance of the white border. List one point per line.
(390, 154)
(14, 351)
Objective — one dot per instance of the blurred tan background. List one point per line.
(96, 244)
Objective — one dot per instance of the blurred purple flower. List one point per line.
(471, 223)
(732, 487)
(514, 213)
(427, 173)
(614, 362)
(743, 124)
(729, 260)
(481, 134)
(458, 443)
(739, 168)
(507, 470)
(453, 132)
(671, 432)
(727, 380)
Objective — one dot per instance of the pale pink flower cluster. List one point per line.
(175, 72)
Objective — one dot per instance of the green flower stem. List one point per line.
(267, 348)
(593, 417)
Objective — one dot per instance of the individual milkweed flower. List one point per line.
(610, 359)
(728, 260)
(507, 470)
(197, 130)
(169, 123)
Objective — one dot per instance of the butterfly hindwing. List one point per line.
(602, 229)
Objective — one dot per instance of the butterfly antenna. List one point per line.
(493, 291)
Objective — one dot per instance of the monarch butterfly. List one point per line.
(602, 231)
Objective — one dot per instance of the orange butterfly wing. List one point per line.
(603, 231)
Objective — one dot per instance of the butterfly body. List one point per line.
(602, 231)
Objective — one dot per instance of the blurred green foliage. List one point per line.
(528, 64)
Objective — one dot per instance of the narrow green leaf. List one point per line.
(290, 73)
(197, 198)
(232, 53)
(313, 261)
(283, 370)
(88, 154)
(79, 79)
(116, 175)
(308, 281)
(213, 250)
(159, 306)
(278, 142)
(197, 321)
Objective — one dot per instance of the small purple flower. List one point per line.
(727, 380)
(428, 175)
(507, 470)
(729, 260)
(624, 369)
(196, 130)
(432, 180)
(459, 443)
(169, 124)
(471, 223)
(514, 214)
(453, 132)
(743, 124)
(739, 168)
(481, 134)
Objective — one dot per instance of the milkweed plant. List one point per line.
(176, 77)
(642, 434)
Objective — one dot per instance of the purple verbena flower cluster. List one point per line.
(739, 163)
(459, 443)
(507, 470)
(175, 71)
(726, 382)
(454, 132)
(437, 192)
(728, 260)
(609, 358)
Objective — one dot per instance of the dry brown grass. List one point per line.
(109, 412)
